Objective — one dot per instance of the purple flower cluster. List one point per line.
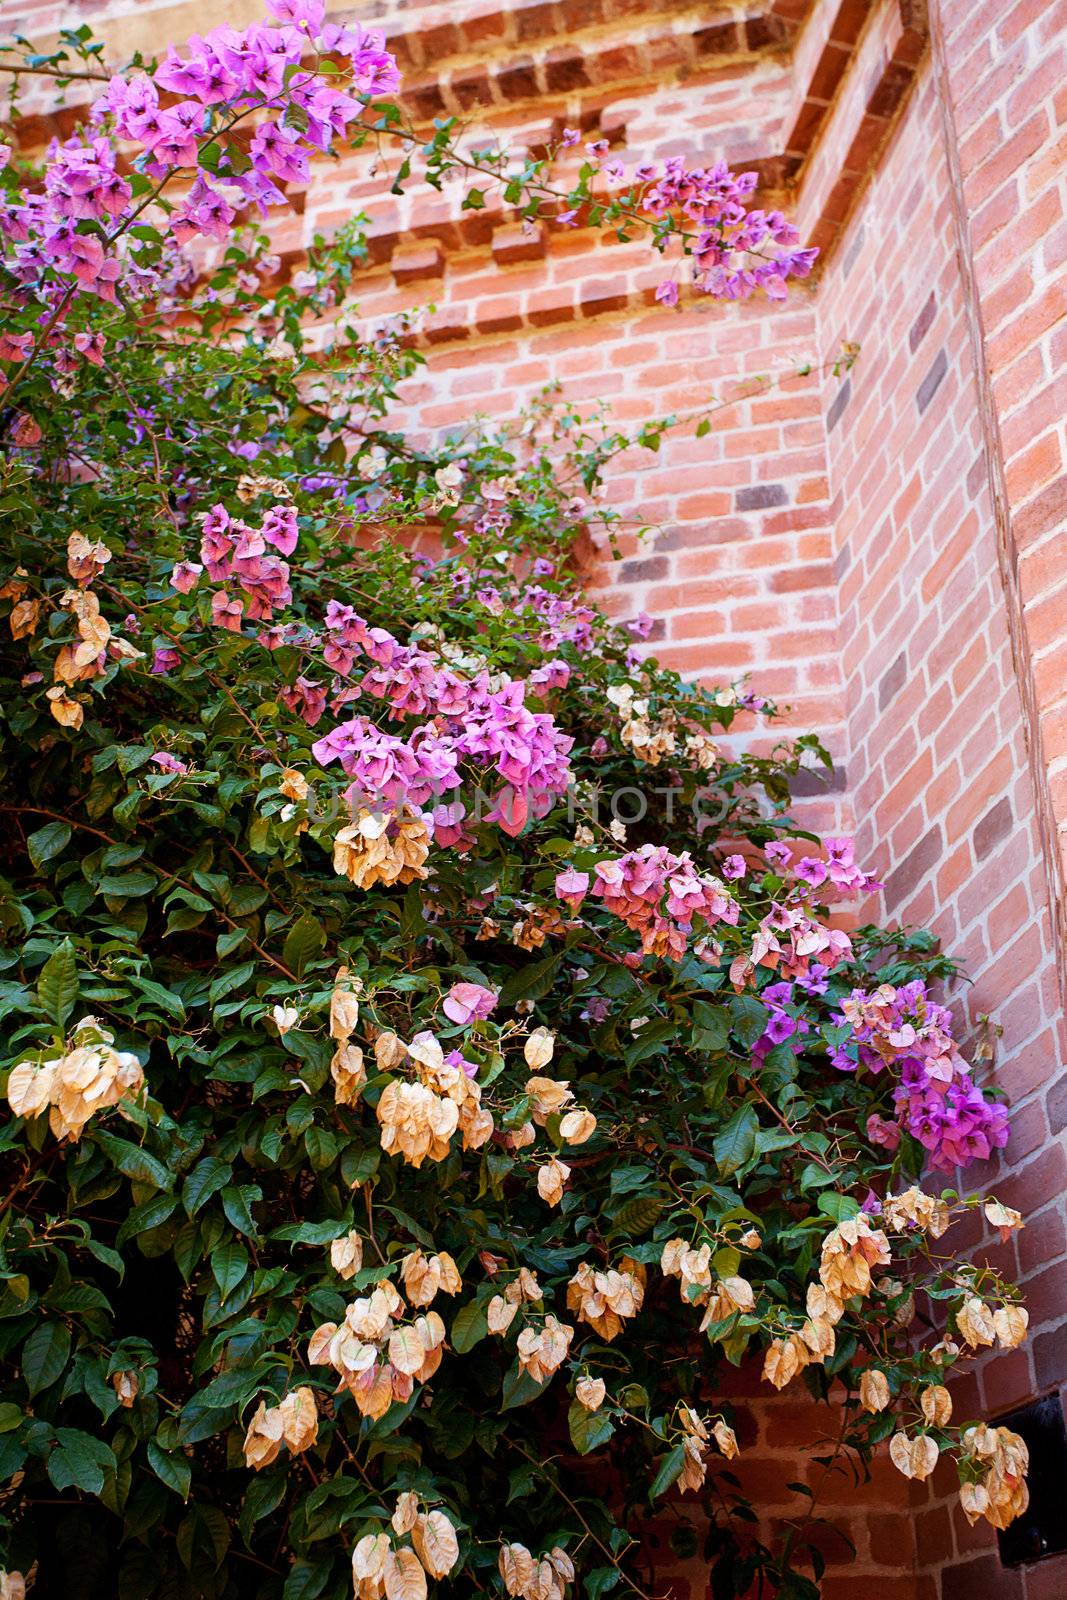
(658, 895)
(838, 868)
(471, 720)
(736, 250)
(226, 75)
(563, 618)
(783, 1001)
(789, 940)
(72, 228)
(254, 581)
(937, 1101)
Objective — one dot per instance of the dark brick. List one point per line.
(842, 561)
(425, 102)
(765, 32)
(916, 864)
(647, 571)
(472, 88)
(838, 404)
(932, 382)
(922, 323)
(1050, 1358)
(848, 23)
(600, 297)
(565, 70)
(894, 85)
(1056, 1104)
(534, 22)
(519, 80)
(793, 580)
(722, 38)
(977, 474)
(853, 250)
(1045, 511)
(892, 681)
(819, 780)
(761, 497)
(984, 1579)
(993, 827)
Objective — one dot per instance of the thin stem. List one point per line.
(54, 72)
(601, 1546)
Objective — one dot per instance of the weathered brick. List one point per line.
(932, 381)
(761, 497)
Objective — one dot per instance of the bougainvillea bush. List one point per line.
(429, 1054)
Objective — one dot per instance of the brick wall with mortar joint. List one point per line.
(885, 556)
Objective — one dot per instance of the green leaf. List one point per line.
(306, 1580)
(237, 1201)
(601, 1581)
(670, 1468)
(748, 1018)
(229, 1263)
(263, 1495)
(531, 982)
(303, 942)
(711, 1029)
(142, 1218)
(79, 1461)
(735, 1143)
(171, 1003)
(469, 1326)
(48, 842)
(10, 1416)
(44, 1355)
(230, 981)
(134, 1162)
(57, 984)
(207, 1178)
(171, 1467)
(128, 885)
(519, 1389)
(588, 1429)
(639, 1214)
(839, 1206)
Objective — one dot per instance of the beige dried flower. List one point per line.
(914, 1457)
(874, 1390)
(551, 1179)
(590, 1393)
(936, 1403)
(346, 1254)
(126, 1386)
(539, 1049)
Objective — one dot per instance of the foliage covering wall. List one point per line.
(430, 1052)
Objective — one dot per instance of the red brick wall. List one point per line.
(887, 557)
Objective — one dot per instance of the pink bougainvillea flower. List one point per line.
(169, 763)
(879, 1131)
(185, 575)
(226, 611)
(469, 1002)
(734, 867)
(165, 660)
(572, 887)
(812, 870)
